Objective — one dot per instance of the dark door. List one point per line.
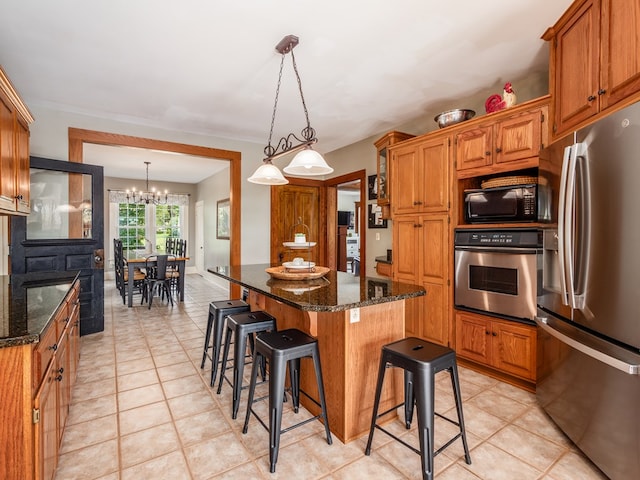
(64, 234)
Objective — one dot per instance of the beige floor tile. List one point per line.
(216, 455)
(172, 466)
(137, 380)
(92, 409)
(82, 435)
(132, 366)
(532, 449)
(200, 427)
(178, 370)
(184, 385)
(574, 465)
(243, 472)
(90, 390)
(89, 372)
(493, 463)
(373, 466)
(146, 444)
(140, 396)
(89, 463)
(144, 417)
(170, 358)
(498, 405)
(192, 403)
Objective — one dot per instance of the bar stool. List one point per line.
(218, 311)
(241, 326)
(421, 360)
(280, 349)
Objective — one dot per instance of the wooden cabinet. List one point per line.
(384, 269)
(506, 346)
(501, 143)
(594, 61)
(382, 160)
(36, 381)
(419, 170)
(14, 150)
(421, 257)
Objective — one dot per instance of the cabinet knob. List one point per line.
(59, 378)
(486, 332)
(602, 91)
(487, 153)
(61, 370)
(591, 98)
(19, 197)
(417, 202)
(494, 334)
(498, 150)
(54, 347)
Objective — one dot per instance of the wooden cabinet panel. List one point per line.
(519, 137)
(474, 147)
(406, 243)
(509, 347)
(404, 170)
(595, 60)
(383, 176)
(46, 428)
(14, 150)
(384, 269)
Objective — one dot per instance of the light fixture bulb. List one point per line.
(268, 174)
(308, 162)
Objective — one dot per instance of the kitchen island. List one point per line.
(352, 317)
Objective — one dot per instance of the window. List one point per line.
(167, 225)
(132, 226)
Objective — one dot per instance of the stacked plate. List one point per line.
(298, 266)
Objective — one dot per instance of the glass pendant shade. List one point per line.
(308, 162)
(268, 174)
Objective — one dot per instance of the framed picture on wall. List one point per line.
(375, 217)
(222, 219)
(372, 183)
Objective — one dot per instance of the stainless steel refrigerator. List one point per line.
(589, 308)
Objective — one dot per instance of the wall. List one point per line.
(363, 154)
(49, 139)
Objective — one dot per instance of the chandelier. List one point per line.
(148, 196)
(307, 161)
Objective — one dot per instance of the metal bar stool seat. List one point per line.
(282, 349)
(420, 360)
(218, 311)
(242, 326)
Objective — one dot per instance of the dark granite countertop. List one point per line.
(334, 292)
(27, 309)
(383, 259)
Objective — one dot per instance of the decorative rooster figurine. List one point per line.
(495, 102)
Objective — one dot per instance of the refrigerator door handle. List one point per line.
(564, 222)
(592, 346)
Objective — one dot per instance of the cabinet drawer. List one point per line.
(383, 269)
(43, 353)
(61, 317)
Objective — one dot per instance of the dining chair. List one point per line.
(157, 279)
(122, 273)
(180, 249)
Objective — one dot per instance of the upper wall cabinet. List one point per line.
(383, 185)
(594, 61)
(15, 119)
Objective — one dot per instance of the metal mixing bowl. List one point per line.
(452, 117)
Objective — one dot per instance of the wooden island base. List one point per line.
(350, 355)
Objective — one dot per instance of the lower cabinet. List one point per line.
(36, 381)
(506, 346)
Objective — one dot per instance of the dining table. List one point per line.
(135, 260)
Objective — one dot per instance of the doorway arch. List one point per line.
(78, 137)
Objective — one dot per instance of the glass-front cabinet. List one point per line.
(382, 180)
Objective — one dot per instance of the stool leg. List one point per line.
(207, 337)
(218, 326)
(455, 383)
(323, 403)
(252, 388)
(423, 389)
(376, 403)
(239, 351)
(409, 398)
(276, 393)
(294, 378)
(225, 356)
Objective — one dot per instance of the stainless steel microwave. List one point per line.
(518, 203)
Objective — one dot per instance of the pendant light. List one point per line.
(307, 162)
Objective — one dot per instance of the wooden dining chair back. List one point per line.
(122, 274)
(157, 279)
(181, 248)
(170, 246)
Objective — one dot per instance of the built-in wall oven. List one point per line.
(497, 271)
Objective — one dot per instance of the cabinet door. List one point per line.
(434, 277)
(472, 338)
(620, 50)
(46, 429)
(434, 185)
(23, 185)
(404, 169)
(7, 156)
(518, 137)
(577, 68)
(474, 147)
(513, 349)
(406, 248)
(63, 378)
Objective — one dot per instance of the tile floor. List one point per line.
(142, 408)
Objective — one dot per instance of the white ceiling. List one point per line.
(209, 67)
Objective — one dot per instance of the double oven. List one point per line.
(498, 271)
